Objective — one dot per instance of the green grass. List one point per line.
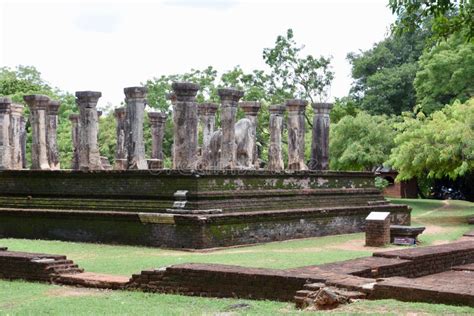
(445, 222)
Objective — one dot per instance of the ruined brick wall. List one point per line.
(220, 281)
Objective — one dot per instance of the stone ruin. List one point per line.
(216, 195)
(233, 146)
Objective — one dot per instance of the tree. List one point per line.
(384, 75)
(448, 16)
(446, 73)
(361, 142)
(436, 146)
(293, 76)
(24, 80)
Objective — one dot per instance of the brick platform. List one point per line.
(34, 266)
(451, 287)
(187, 209)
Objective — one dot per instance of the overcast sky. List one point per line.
(109, 45)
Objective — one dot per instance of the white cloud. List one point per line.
(122, 44)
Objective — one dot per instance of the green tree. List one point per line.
(436, 146)
(383, 76)
(24, 80)
(448, 16)
(293, 76)
(446, 73)
(361, 142)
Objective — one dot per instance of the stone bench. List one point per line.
(401, 231)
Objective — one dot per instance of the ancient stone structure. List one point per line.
(275, 157)
(89, 155)
(23, 138)
(135, 97)
(185, 124)
(244, 144)
(5, 149)
(377, 229)
(207, 119)
(296, 131)
(251, 109)
(120, 147)
(38, 105)
(16, 131)
(51, 134)
(320, 142)
(229, 102)
(158, 124)
(75, 132)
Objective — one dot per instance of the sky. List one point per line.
(108, 45)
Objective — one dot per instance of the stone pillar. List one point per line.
(89, 155)
(275, 157)
(5, 149)
(157, 123)
(51, 134)
(120, 147)
(207, 117)
(75, 130)
(296, 130)
(16, 117)
(38, 105)
(229, 102)
(251, 109)
(185, 123)
(135, 97)
(23, 140)
(320, 140)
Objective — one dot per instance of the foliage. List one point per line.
(24, 80)
(343, 107)
(439, 145)
(383, 76)
(381, 183)
(361, 142)
(448, 16)
(293, 76)
(446, 73)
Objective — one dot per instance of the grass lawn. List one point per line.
(445, 221)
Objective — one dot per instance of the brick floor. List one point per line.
(450, 287)
(94, 280)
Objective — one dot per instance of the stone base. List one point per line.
(218, 209)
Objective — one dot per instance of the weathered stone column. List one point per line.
(229, 102)
(157, 123)
(38, 105)
(16, 116)
(23, 141)
(5, 149)
(296, 131)
(251, 109)
(320, 140)
(89, 155)
(135, 97)
(120, 147)
(207, 118)
(275, 157)
(75, 118)
(51, 134)
(185, 123)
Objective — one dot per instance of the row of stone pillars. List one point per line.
(130, 149)
(44, 122)
(185, 119)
